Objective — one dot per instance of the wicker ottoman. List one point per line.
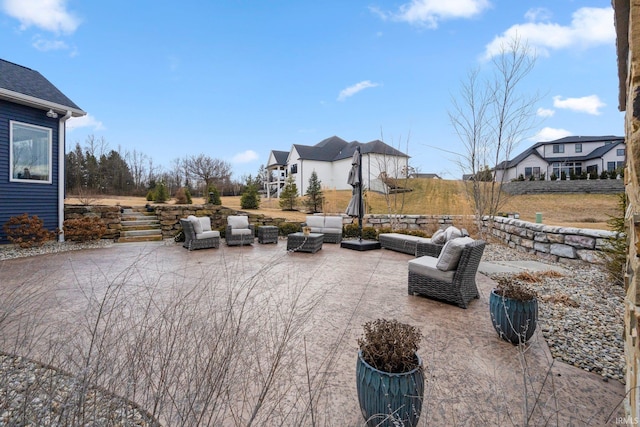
(298, 242)
(267, 234)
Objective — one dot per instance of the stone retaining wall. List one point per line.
(578, 186)
(558, 244)
(110, 215)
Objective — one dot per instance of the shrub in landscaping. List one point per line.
(351, 230)
(26, 231)
(84, 229)
(160, 193)
(369, 233)
(213, 196)
(286, 228)
(250, 198)
(183, 196)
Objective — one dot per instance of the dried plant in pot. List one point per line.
(513, 306)
(389, 373)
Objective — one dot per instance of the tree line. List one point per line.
(96, 169)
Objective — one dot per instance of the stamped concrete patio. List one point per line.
(473, 378)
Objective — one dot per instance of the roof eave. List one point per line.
(31, 101)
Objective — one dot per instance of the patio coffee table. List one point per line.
(298, 242)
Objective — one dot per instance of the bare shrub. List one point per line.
(26, 231)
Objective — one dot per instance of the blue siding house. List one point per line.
(33, 113)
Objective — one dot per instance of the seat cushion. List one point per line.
(205, 221)
(331, 230)
(426, 266)
(208, 234)
(238, 221)
(197, 225)
(333, 222)
(315, 222)
(450, 255)
(240, 231)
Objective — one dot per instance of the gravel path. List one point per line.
(581, 318)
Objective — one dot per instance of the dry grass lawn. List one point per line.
(437, 197)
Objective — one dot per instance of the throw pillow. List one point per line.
(452, 233)
(438, 237)
(451, 252)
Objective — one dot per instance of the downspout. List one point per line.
(61, 178)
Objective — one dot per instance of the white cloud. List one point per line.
(427, 13)
(50, 15)
(589, 27)
(550, 134)
(587, 104)
(245, 157)
(46, 45)
(545, 112)
(87, 121)
(352, 90)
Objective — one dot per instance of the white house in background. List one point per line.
(575, 154)
(331, 161)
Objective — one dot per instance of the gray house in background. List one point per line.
(569, 155)
(33, 113)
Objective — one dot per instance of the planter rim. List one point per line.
(493, 291)
(392, 374)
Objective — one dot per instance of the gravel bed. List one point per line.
(581, 315)
(13, 251)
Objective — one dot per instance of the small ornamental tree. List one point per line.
(250, 198)
(289, 195)
(160, 193)
(213, 196)
(314, 194)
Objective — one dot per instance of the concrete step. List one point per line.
(136, 233)
(130, 239)
(151, 223)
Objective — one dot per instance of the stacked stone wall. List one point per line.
(110, 215)
(558, 244)
(579, 186)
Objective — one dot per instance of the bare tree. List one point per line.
(136, 161)
(209, 170)
(490, 117)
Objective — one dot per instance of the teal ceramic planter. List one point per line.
(514, 320)
(387, 399)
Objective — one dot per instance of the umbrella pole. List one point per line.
(361, 207)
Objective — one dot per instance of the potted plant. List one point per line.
(389, 374)
(514, 310)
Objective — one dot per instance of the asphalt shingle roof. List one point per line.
(26, 81)
(335, 148)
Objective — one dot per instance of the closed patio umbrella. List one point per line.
(355, 208)
(356, 205)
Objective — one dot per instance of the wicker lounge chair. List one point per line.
(239, 232)
(202, 240)
(457, 285)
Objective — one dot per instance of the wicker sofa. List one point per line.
(198, 233)
(451, 276)
(330, 226)
(420, 246)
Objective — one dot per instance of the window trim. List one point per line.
(578, 147)
(558, 148)
(49, 131)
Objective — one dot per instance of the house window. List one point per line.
(578, 148)
(532, 171)
(558, 148)
(567, 167)
(611, 166)
(294, 168)
(30, 153)
(620, 152)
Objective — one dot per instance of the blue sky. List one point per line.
(236, 79)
